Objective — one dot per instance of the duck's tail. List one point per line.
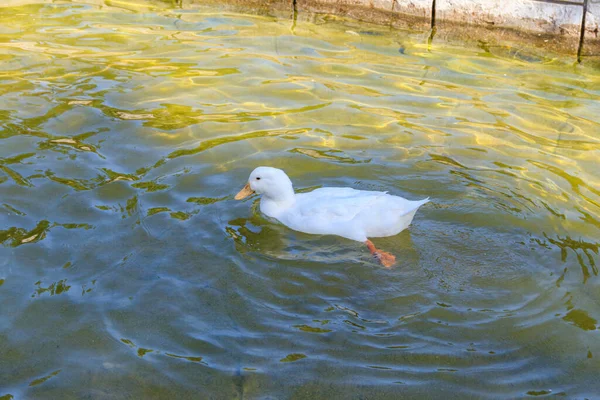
(414, 205)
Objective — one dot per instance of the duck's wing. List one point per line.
(335, 204)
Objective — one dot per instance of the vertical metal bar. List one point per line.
(294, 14)
(433, 14)
(582, 33)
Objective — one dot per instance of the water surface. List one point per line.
(127, 270)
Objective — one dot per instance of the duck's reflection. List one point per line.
(262, 235)
(258, 234)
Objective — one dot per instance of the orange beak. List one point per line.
(245, 192)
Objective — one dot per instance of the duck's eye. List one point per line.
(257, 178)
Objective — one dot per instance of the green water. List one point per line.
(127, 270)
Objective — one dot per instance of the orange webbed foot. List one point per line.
(386, 259)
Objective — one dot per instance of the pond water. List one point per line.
(127, 270)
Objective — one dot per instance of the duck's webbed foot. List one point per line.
(386, 259)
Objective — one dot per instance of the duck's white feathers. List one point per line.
(354, 214)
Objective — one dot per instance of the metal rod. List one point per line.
(582, 33)
(294, 14)
(563, 2)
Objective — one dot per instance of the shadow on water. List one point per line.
(585, 253)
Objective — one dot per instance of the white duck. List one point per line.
(346, 212)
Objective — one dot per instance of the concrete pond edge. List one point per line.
(548, 25)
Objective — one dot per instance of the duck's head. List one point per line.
(272, 183)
